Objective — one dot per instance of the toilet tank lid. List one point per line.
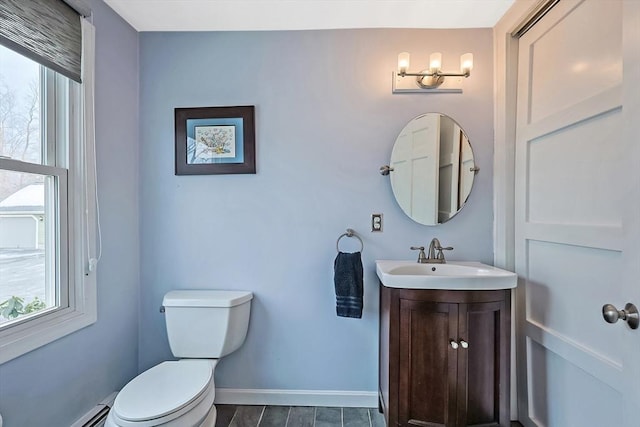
(205, 298)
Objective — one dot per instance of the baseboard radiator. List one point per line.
(97, 416)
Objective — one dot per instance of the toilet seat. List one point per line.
(165, 392)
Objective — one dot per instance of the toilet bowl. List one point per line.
(202, 326)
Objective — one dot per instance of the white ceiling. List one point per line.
(241, 15)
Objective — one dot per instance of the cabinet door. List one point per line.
(427, 382)
(482, 357)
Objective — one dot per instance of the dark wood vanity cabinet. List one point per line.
(444, 357)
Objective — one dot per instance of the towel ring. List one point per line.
(349, 233)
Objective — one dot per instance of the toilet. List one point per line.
(202, 327)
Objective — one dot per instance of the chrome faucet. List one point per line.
(436, 256)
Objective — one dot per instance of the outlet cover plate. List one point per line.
(376, 222)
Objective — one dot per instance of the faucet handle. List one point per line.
(422, 257)
(440, 255)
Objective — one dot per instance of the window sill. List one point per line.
(51, 327)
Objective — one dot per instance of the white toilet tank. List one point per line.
(206, 324)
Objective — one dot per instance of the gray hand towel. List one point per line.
(349, 284)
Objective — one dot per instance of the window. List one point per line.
(47, 203)
(33, 182)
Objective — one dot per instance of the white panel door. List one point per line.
(449, 165)
(415, 168)
(577, 215)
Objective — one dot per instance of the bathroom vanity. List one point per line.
(444, 353)
(445, 327)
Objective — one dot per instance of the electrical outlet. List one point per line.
(376, 222)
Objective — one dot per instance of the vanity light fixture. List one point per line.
(431, 79)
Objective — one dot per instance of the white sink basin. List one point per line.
(454, 275)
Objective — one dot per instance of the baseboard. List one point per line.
(339, 398)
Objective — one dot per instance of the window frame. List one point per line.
(75, 210)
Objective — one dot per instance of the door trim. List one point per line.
(505, 47)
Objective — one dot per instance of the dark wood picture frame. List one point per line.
(215, 140)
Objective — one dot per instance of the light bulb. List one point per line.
(403, 62)
(466, 63)
(435, 61)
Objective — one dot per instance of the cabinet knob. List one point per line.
(464, 344)
(454, 344)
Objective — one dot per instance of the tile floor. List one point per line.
(300, 416)
(297, 416)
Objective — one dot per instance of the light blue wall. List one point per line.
(55, 385)
(325, 122)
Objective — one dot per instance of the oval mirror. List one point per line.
(432, 168)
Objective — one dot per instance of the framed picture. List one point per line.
(215, 140)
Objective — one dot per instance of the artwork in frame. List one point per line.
(215, 140)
